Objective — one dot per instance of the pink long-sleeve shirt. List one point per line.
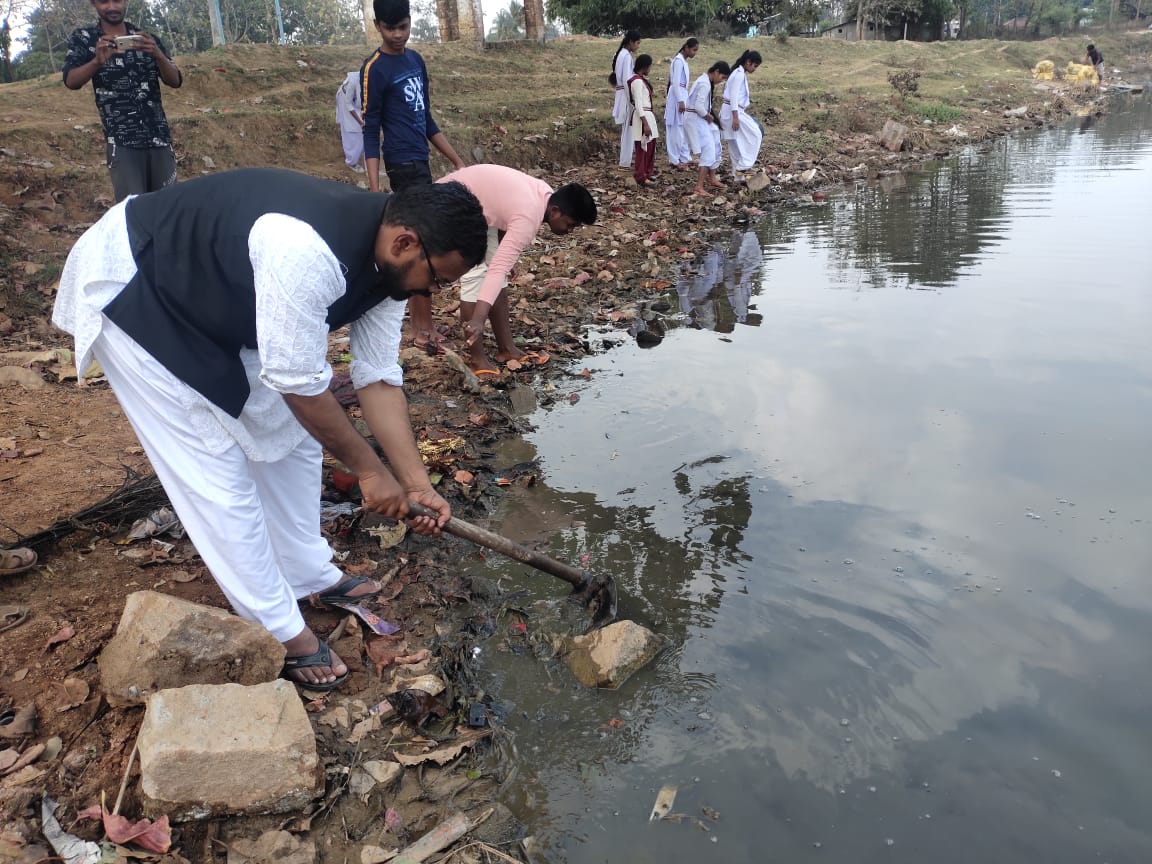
(514, 203)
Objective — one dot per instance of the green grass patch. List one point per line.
(937, 112)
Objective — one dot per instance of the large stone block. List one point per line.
(892, 135)
(215, 750)
(164, 642)
(607, 657)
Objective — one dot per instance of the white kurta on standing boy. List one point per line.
(622, 108)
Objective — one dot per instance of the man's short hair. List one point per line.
(575, 201)
(391, 12)
(446, 216)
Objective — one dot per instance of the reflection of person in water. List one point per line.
(744, 263)
(695, 291)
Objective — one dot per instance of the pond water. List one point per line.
(888, 489)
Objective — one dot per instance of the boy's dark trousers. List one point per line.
(405, 174)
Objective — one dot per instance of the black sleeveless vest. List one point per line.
(192, 302)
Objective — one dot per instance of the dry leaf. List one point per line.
(444, 755)
(153, 836)
(182, 576)
(26, 758)
(62, 635)
(465, 478)
(73, 692)
(514, 365)
(8, 758)
(479, 419)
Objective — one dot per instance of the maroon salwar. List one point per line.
(643, 160)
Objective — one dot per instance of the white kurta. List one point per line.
(246, 488)
(621, 108)
(743, 143)
(703, 136)
(641, 109)
(348, 110)
(679, 152)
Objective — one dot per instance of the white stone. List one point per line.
(213, 750)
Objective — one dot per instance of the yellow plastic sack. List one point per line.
(1045, 70)
(1078, 73)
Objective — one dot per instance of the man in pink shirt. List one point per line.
(514, 204)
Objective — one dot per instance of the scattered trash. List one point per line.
(375, 623)
(18, 723)
(161, 521)
(415, 706)
(153, 836)
(68, 846)
(664, 801)
(62, 635)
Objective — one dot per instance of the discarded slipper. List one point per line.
(12, 616)
(340, 593)
(322, 657)
(13, 561)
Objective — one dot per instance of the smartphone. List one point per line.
(124, 43)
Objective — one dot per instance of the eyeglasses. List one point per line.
(436, 280)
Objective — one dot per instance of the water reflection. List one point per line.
(716, 295)
(899, 538)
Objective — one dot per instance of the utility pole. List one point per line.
(216, 21)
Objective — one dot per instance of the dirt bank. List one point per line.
(63, 448)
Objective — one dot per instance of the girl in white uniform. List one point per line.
(622, 109)
(740, 131)
(676, 105)
(702, 128)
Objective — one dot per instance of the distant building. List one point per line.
(873, 31)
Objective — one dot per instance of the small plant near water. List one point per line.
(937, 112)
(905, 82)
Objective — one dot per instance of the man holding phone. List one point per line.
(126, 66)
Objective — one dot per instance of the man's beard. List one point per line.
(390, 281)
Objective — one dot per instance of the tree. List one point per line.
(650, 17)
(425, 30)
(508, 24)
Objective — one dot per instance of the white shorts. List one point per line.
(471, 281)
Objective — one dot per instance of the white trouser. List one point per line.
(626, 145)
(676, 142)
(353, 143)
(255, 524)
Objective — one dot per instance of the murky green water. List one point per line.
(900, 532)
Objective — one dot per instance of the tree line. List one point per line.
(185, 25)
